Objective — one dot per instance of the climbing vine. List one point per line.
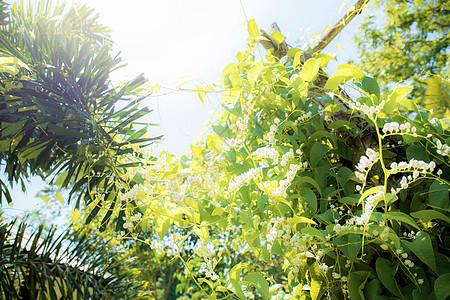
(298, 190)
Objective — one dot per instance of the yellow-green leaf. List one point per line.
(258, 280)
(58, 196)
(45, 198)
(343, 74)
(310, 69)
(253, 29)
(202, 232)
(277, 37)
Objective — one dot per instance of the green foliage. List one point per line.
(70, 265)
(409, 41)
(296, 190)
(60, 114)
(314, 202)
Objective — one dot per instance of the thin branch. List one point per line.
(331, 33)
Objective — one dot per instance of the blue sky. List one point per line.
(169, 40)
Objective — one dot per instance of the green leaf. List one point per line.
(311, 231)
(258, 280)
(318, 150)
(422, 247)
(317, 281)
(386, 272)
(235, 272)
(340, 124)
(402, 217)
(370, 85)
(221, 131)
(438, 196)
(262, 200)
(399, 93)
(429, 214)
(373, 290)
(61, 178)
(310, 69)
(343, 74)
(277, 37)
(310, 197)
(45, 198)
(369, 192)
(417, 152)
(237, 289)
(201, 231)
(58, 196)
(305, 179)
(356, 283)
(211, 286)
(442, 286)
(162, 226)
(354, 246)
(254, 73)
(297, 60)
(253, 29)
(324, 59)
(299, 219)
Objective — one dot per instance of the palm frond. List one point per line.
(71, 265)
(57, 103)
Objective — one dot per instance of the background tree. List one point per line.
(409, 41)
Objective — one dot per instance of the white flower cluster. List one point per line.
(416, 166)
(230, 143)
(302, 118)
(189, 178)
(274, 232)
(136, 218)
(242, 179)
(134, 192)
(161, 162)
(271, 134)
(368, 110)
(442, 149)
(265, 152)
(324, 267)
(368, 208)
(365, 163)
(241, 124)
(208, 264)
(394, 127)
(278, 293)
(286, 157)
(280, 191)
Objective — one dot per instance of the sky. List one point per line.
(175, 40)
(171, 41)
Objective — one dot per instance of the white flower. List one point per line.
(391, 127)
(306, 287)
(372, 154)
(384, 246)
(271, 153)
(336, 275)
(323, 267)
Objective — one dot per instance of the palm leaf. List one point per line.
(70, 265)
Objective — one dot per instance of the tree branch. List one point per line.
(331, 33)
